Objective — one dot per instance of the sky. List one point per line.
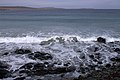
(97, 4)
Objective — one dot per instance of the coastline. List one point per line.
(27, 8)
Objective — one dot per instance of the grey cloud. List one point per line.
(114, 4)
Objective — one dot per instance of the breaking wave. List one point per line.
(73, 55)
(32, 39)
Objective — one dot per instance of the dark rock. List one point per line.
(50, 65)
(20, 78)
(41, 69)
(27, 66)
(108, 65)
(82, 56)
(75, 39)
(101, 40)
(99, 62)
(59, 70)
(95, 60)
(24, 71)
(91, 56)
(97, 53)
(47, 42)
(60, 39)
(96, 49)
(87, 69)
(4, 70)
(4, 65)
(117, 50)
(27, 51)
(39, 66)
(62, 75)
(107, 74)
(46, 63)
(22, 51)
(97, 56)
(76, 79)
(40, 55)
(92, 67)
(19, 51)
(82, 70)
(6, 53)
(33, 69)
(67, 64)
(112, 59)
(116, 59)
(3, 73)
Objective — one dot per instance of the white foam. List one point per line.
(26, 39)
(61, 52)
(31, 39)
(16, 61)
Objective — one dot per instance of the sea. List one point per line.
(66, 34)
(40, 23)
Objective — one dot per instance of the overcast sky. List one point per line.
(103, 4)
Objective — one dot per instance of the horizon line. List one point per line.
(30, 7)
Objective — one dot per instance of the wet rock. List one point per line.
(24, 71)
(74, 39)
(117, 50)
(4, 65)
(95, 60)
(96, 49)
(40, 55)
(20, 78)
(54, 70)
(107, 74)
(78, 50)
(27, 66)
(108, 65)
(3, 73)
(32, 68)
(82, 70)
(97, 56)
(41, 69)
(116, 59)
(58, 70)
(67, 64)
(58, 63)
(60, 39)
(6, 53)
(22, 51)
(91, 56)
(100, 62)
(97, 53)
(4, 70)
(93, 48)
(82, 56)
(39, 66)
(101, 40)
(46, 63)
(47, 42)
(92, 67)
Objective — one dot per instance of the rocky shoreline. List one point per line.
(101, 61)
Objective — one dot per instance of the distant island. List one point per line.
(26, 8)
(43, 8)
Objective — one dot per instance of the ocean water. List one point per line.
(65, 34)
(85, 23)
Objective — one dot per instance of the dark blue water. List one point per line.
(85, 23)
